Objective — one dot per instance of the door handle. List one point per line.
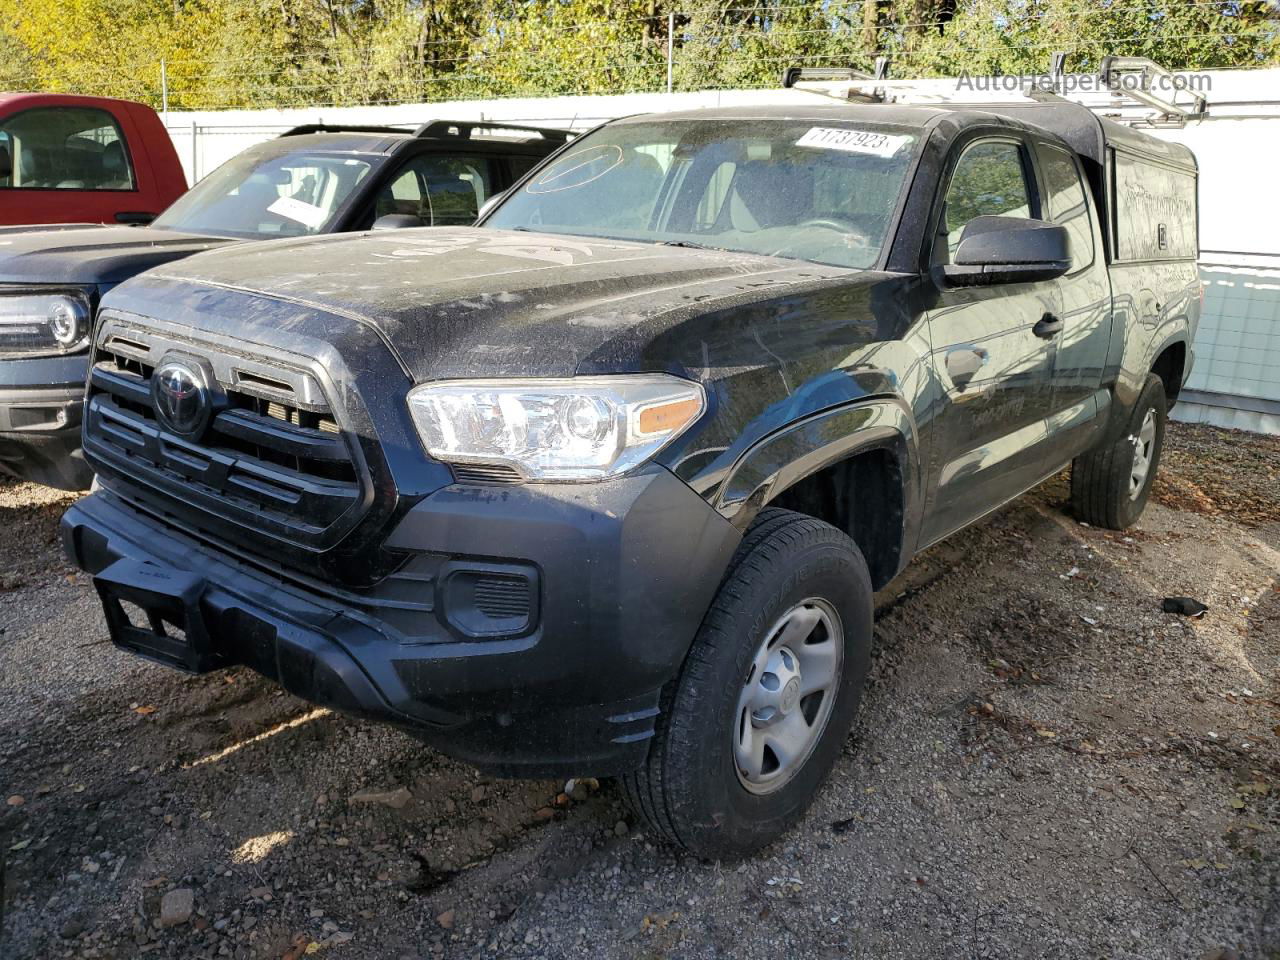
(1048, 327)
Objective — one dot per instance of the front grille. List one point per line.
(272, 458)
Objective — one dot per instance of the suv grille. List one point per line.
(272, 457)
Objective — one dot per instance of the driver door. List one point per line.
(990, 357)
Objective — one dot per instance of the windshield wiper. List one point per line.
(690, 244)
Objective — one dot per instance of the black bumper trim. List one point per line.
(578, 695)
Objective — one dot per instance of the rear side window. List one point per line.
(1155, 211)
(6, 159)
(989, 180)
(65, 148)
(1068, 205)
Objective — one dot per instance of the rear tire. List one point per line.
(768, 692)
(1110, 486)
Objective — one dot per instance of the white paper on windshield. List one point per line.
(298, 211)
(853, 141)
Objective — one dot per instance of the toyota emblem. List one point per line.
(181, 398)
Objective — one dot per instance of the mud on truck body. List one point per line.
(604, 485)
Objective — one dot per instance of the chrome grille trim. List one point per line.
(231, 369)
(273, 459)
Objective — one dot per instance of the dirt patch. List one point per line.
(1212, 471)
(1045, 764)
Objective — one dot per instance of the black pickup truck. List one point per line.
(605, 483)
(313, 179)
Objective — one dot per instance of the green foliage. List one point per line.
(256, 53)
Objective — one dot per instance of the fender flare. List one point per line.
(800, 449)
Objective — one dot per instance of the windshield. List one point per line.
(822, 191)
(264, 193)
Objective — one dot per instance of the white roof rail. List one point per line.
(1137, 79)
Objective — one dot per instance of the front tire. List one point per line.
(767, 694)
(1110, 486)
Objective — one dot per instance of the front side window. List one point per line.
(266, 192)
(816, 190)
(64, 148)
(989, 180)
(1067, 204)
(441, 191)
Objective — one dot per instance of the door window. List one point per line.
(65, 148)
(6, 159)
(713, 197)
(441, 191)
(1067, 203)
(989, 180)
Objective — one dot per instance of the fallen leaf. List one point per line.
(299, 944)
(1041, 732)
(21, 844)
(144, 710)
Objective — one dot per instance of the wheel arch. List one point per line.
(854, 466)
(1169, 363)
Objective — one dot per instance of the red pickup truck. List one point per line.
(71, 159)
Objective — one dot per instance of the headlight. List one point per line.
(585, 428)
(35, 323)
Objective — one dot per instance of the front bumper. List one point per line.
(622, 574)
(41, 409)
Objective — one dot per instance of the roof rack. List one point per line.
(342, 128)
(464, 128)
(457, 129)
(794, 76)
(1132, 78)
(1113, 70)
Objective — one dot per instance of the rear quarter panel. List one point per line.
(1155, 279)
(165, 180)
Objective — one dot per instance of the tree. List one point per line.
(257, 53)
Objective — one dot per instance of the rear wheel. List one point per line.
(767, 694)
(1110, 486)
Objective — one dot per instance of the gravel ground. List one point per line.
(1046, 765)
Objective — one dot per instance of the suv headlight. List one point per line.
(583, 428)
(35, 322)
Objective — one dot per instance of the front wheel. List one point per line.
(767, 694)
(1110, 486)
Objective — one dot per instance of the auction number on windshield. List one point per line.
(853, 141)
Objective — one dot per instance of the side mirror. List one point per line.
(1008, 250)
(489, 204)
(397, 221)
(6, 163)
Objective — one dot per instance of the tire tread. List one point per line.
(754, 564)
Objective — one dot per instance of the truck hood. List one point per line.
(87, 253)
(458, 302)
